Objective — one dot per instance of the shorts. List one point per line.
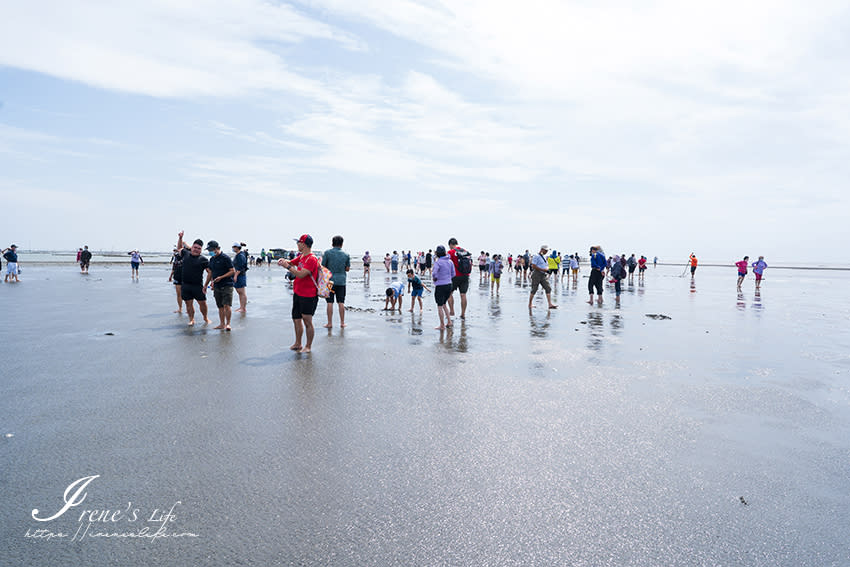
(553, 270)
(193, 291)
(461, 283)
(12, 269)
(538, 279)
(631, 269)
(575, 270)
(524, 268)
(84, 264)
(417, 292)
(176, 281)
(442, 294)
(642, 269)
(337, 294)
(482, 268)
(742, 275)
(223, 296)
(303, 306)
(241, 281)
(495, 278)
(758, 277)
(366, 265)
(134, 265)
(693, 269)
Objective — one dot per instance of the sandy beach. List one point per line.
(718, 434)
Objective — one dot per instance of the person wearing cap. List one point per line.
(11, 256)
(305, 269)
(367, 261)
(240, 280)
(460, 281)
(540, 277)
(338, 262)
(598, 264)
(195, 265)
(221, 275)
(443, 272)
(135, 260)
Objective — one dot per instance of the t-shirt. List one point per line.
(632, 262)
(496, 268)
(759, 266)
(742, 267)
(482, 260)
(573, 264)
(135, 257)
(11, 256)
(85, 256)
(693, 260)
(194, 268)
(240, 262)
(305, 286)
(220, 264)
(177, 266)
(540, 262)
(398, 288)
(415, 283)
(642, 262)
(553, 262)
(336, 260)
(597, 260)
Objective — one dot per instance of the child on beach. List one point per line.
(742, 270)
(758, 270)
(415, 287)
(496, 267)
(394, 293)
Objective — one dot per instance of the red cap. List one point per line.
(306, 239)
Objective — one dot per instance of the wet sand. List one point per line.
(581, 436)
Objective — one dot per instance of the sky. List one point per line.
(657, 127)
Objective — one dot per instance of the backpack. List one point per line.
(497, 269)
(324, 285)
(464, 261)
(618, 271)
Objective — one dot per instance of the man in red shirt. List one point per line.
(305, 268)
(461, 280)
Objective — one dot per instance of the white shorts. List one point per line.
(12, 269)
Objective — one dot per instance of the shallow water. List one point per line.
(584, 436)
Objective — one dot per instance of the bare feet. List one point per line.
(590, 302)
(304, 350)
(191, 322)
(177, 311)
(296, 346)
(219, 327)
(552, 306)
(227, 328)
(342, 325)
(207, 321)
(440, 327)
(239, 311)
(410, 310)
(329, 326)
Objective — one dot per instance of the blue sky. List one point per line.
(658, 128)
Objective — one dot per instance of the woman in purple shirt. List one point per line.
(442, 274)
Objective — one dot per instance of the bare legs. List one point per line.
(305, 323)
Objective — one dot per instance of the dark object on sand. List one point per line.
(109, 334)
(744, 502)
(657, 316)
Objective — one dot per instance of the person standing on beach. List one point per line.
(574, 267)
(394, 262)
(655, 262)
(305, 269)
(338, 262)
(618, 272)
(429, 261)
(742, 270)
(367, 261)
(540, 277)
(387, 261)
(221, 274)
(176, 276)
(462, 260)
(416, 288)
(693, 260)
(85, 259)
(79, 252)
(195, 265)
(443, 274)
(240, 278)
(758, 269)
(496, 268)
(526, 261)
(641, 268)
(135, 260)
(10, 254)
(482, 261)
(632, 264)
(598, 264)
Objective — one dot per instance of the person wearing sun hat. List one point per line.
(305, 297)
(540, 276)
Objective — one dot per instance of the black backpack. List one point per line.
(464, 261)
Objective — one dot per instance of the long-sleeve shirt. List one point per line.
(598, 261)
(759, 266)
(742, 267)
(444, 271)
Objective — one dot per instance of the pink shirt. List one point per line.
(742, 266)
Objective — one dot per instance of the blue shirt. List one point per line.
(336, 261)
(11, 256)
(598, 261)
(759, 266)
(540, 262)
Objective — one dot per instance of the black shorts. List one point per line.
(176, 281)
(304, 305)
(693, 269)
(460, 283)
(193, 291)
(442, 293)
(337, 293)
(223, 296)
(631, 269)
(595, 281)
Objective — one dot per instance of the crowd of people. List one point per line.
(449, 269)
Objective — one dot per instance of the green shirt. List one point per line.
(336, 261)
